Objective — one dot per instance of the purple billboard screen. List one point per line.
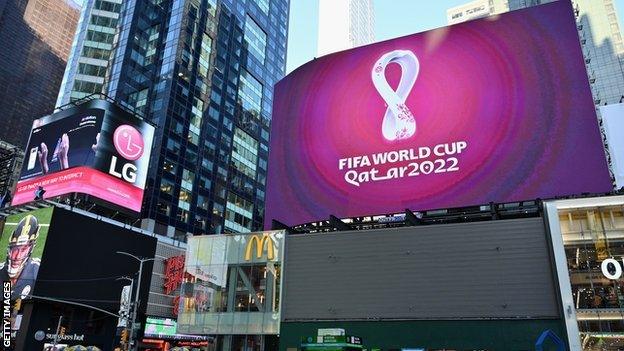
(496, 109)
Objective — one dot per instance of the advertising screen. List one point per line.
(613, 122)
(95, 148)
(492, 110)
(21, 248)
(165, 328)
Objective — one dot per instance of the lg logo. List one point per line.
(129, 144)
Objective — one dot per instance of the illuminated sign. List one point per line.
(174, 273)
(95, 148)
(611, 268)
(259, 242)
(492, 110)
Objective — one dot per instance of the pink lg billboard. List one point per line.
(95, 148)
(492, 110)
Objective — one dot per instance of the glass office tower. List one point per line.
(91, 50)
(203, 71)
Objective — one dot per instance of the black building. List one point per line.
(203, 71)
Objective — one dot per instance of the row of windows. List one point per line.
(107, 6)
(87, 87)
(100, 37)
(263, 5)
(103, 21)
(91, 70)
(255, 38)
(100, 54)
(250, 92)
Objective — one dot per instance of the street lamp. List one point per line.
(136, 294)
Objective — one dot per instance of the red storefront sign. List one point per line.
(174, 273)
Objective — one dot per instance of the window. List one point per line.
(138, 99)
(107, 6)
(204, 55)
(263, 5)
(103, 21)
(187, 179)
(250, 93)
(255, 38)
(166, 186)
(100, 37)
(196, 118)
(184, 201)
(95, 53)
(238, 213)
(244, 153)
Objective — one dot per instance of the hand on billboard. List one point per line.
(97, 141)
(63, 150)
(43, 158)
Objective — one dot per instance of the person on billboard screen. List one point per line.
(60, 156)
(20, 268)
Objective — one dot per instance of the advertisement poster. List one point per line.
(21, 249)
(22, 242)
(491, 110)
(95, 148)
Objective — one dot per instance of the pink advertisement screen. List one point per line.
(95, 148)
(493, 110)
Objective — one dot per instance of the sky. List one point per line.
(393, 18)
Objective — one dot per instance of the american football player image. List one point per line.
(19, 268)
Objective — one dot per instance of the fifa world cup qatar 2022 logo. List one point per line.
(129, 144)
(398, 122)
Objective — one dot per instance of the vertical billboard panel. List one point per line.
(95, 148)
(613, 122)
(496, 109)
(21, 248)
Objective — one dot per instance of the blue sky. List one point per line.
(393, 18)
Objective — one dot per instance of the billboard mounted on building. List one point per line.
(95, 148)
(492, 110)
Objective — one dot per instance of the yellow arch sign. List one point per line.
(260, 242)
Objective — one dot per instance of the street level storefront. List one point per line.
(588, 236)
(232, 290)
(160, 335)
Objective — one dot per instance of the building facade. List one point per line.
(203, 72)
(588, 244)
(475, 9)
(36, 40)
(232, 290)
(336, 34)
(11, 158)
(91, 50)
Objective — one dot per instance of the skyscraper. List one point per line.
(345, 24)
(36, 38)
(203, 71)
(91, 50)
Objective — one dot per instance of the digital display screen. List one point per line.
(95, 148)
(492, 110)
(22, 242)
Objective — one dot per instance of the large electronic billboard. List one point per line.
(95, 148)
(497, 109)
